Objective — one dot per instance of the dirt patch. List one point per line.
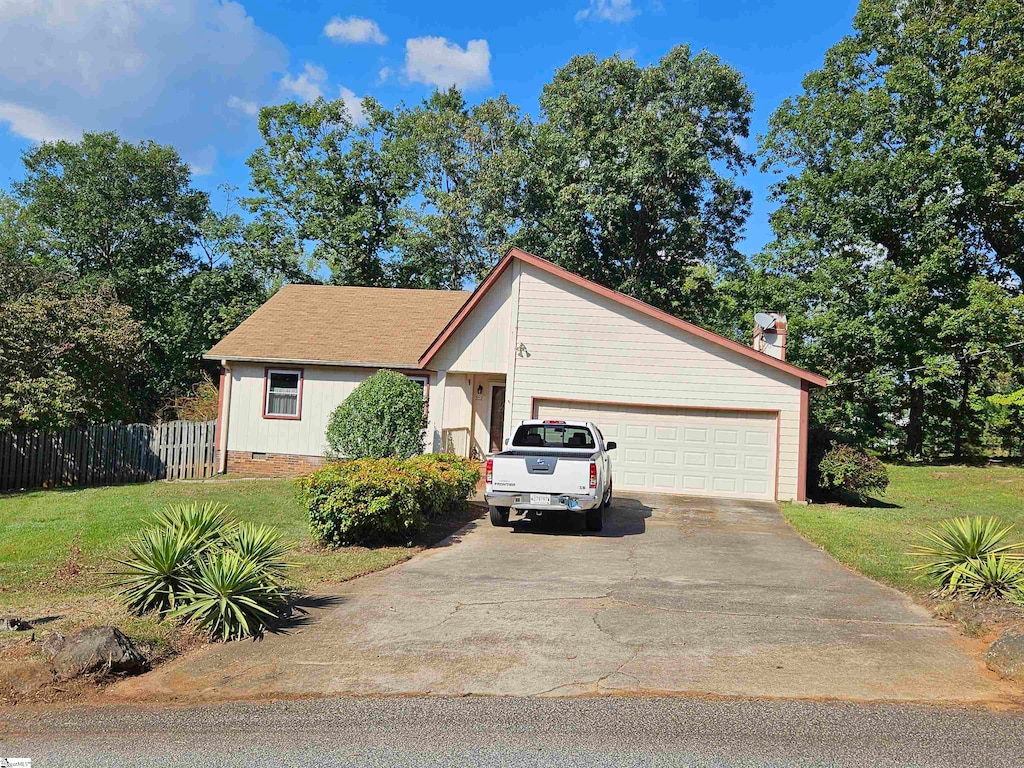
(983, 620)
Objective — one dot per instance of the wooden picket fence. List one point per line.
(107, 454)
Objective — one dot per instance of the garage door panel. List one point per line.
(665, 458)
(698, 451)
(666, 434)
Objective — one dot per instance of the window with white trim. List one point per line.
(283, 389)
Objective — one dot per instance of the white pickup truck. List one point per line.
(551, 466)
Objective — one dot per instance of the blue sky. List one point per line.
(192, 72)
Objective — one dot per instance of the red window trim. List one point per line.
(266, 384)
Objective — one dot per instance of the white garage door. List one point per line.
(670, 450)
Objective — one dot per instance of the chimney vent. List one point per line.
(770, 334)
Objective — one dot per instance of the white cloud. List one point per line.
(383, 75)
(354, 30)
(149, 69)
(308, 84)
(34, 125)
(615, 11)
(437, 62)
(243, 105)
(354, 105)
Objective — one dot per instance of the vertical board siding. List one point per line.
(106, 454)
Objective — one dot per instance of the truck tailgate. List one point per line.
(529, 472)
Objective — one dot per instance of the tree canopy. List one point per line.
(900, 218)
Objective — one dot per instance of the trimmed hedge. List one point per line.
(373, 502)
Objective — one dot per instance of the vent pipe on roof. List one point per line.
(770, 334)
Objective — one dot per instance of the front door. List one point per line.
(497, 427)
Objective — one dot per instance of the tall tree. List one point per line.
(126, 215)
(468, 197)
(634, 179)
(902, 189)
(340, 186)
(68, 350)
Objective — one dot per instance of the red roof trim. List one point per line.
(621, 298)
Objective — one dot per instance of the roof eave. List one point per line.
(212, 355)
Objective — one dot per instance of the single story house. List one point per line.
(692, 412)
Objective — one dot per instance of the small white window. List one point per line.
(284, 391)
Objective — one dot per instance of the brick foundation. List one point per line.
(271, 464)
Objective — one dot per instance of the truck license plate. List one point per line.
(540, 498)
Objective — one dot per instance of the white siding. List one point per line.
(481, 343)
(458, 413)
(323, 389)
(578, 345)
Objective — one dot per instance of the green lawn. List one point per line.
(874, 539)
(56, 545)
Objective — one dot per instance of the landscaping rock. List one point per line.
(91, 650)
(1006, 656)
(13, 624)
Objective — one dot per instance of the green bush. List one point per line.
(845, 468)
(957, 552)
(383, 501)
(445, 480)
(366, 501)
(198, 564)
(384, 417)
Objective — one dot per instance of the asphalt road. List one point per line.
(484, 732)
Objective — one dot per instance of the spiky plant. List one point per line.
(989, 576)
(154, 574)
(957, 541)
(260, 545)
(230, 596)
(207, 522)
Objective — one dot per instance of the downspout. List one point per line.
(223, 415)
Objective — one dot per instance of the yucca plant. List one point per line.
(159, 561)
(230, 596)
(260, 545)
(957, 541)
(207, 522)
(989, 576)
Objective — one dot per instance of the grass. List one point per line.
(874, 539)
(57, 545)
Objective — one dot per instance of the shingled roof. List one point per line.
(342, 325)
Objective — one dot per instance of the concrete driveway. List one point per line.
(677, 595)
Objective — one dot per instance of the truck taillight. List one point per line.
(593, 474)
(489, 476)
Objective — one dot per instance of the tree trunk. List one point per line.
(961, 415)
(915, 429)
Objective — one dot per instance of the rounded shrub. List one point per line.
(384, 417)
(365, 501)
(845, 468)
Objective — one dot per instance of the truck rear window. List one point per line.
(553, 436)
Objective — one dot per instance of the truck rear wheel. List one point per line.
(499, 516)
(595, 518)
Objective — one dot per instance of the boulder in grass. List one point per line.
(92, 650)
(1006, 656)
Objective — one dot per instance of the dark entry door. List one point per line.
(497, 418)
